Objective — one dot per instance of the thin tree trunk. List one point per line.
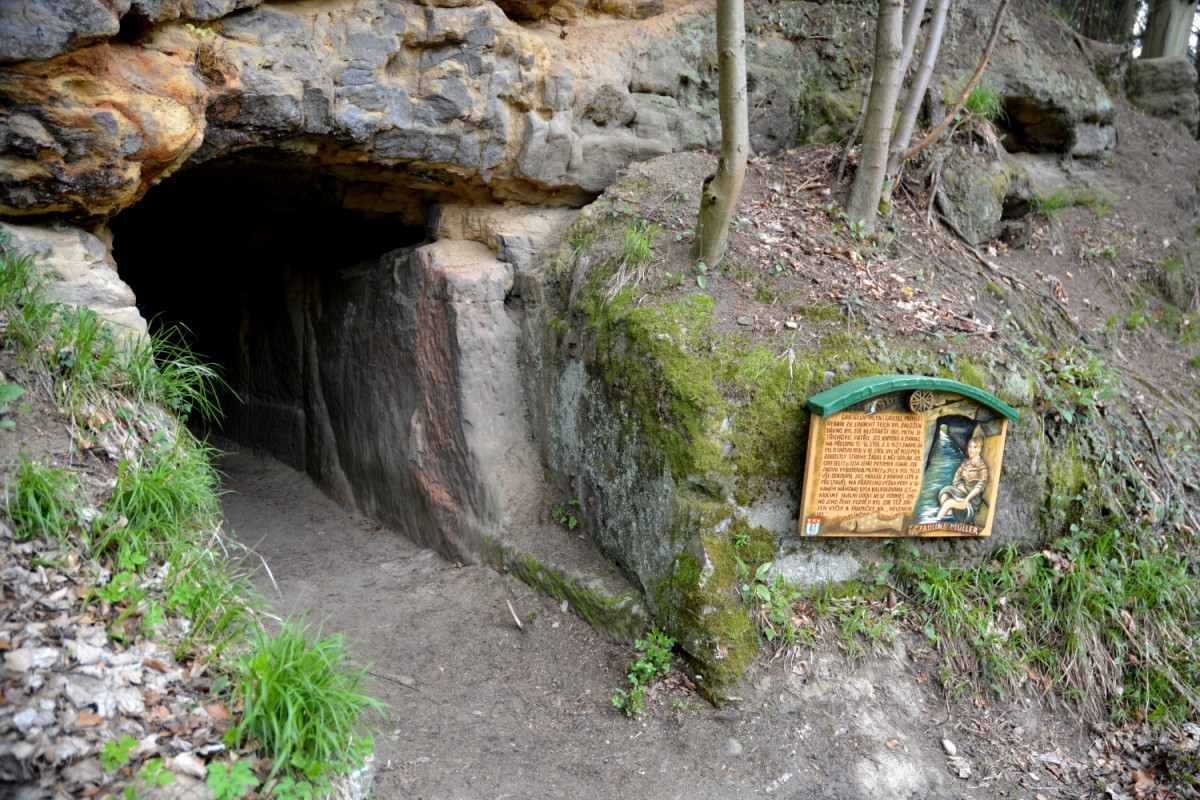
(853, 140)
(916, 92)
(885, 88)
(911, 26)
(721, 189)
(910, 40)
(966, 92)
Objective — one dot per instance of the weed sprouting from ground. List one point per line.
(41, 501)
(652, 662)
(637, 252)
(23, 302)
(302, 702)
(638, 248)
(986, 102)
(1048, 207)
(1073, 381)
(161, 370)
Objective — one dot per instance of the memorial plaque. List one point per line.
(901, 455)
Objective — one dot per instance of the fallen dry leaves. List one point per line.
(67, 687)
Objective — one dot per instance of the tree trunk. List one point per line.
(1168, 28)
(721, 189)
(916, 92)
(916, 11)
(885, 88)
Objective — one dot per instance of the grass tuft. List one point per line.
(301, 701)
(986, 102)
(41, 501)
(1048, 207)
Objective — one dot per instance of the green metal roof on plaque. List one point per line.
(839, 397)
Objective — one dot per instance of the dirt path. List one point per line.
(480, 709)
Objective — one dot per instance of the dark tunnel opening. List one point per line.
(241, 256)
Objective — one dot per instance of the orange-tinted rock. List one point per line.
(86, 133)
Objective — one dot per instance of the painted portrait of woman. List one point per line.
(961, 499)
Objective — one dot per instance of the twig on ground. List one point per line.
(406, 682)
(516, 619)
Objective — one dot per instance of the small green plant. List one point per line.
(847, 297)
(155, 774)
(115, 752)
(773, 600)
(163, 370)
(564, 515)
(653, 661)
(227, 782)
(741, 539)
(23, 299)
(1137, 318)
(685, 232)
(120, 589)
(756, 587)
(288, 788)
(41, 500)
(1189, 328)
(638, 247)
(1048, 207)
(986, 103)
(301, 702)
(701, 274)
(8, 393)
(1093, 253)
(1074, 379)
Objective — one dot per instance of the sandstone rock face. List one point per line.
(38, 29)
(453, 100)
(975, 188)
(84, 135)
(83, 271)
(203, 10)
(35, 30)
(1050, 109)
(395, 382)
(1166, 88)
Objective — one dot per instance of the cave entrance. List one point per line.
(256, 262)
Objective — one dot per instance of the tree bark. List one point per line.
(1168, 28)
(881, 108)
(912, 24)
(721, 189)
(916, 92)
